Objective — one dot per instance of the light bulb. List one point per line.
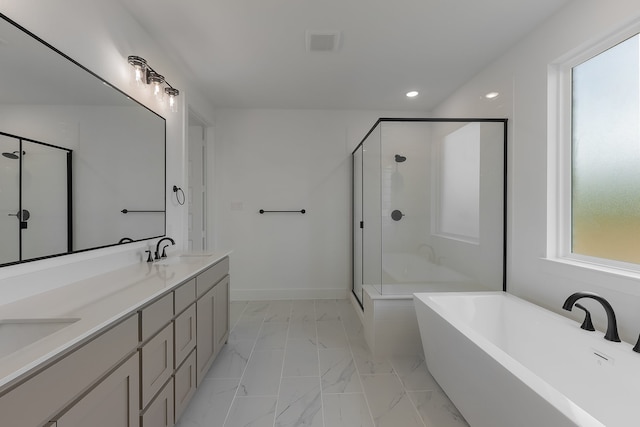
(156, 81)
(173, 98)
(139, 70)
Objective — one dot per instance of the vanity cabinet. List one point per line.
(140, 372)
(83, 370)
(182, 334)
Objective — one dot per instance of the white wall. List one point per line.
(280, 160)
(521, 78)
(100, 35)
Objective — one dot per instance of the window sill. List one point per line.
(616, 279)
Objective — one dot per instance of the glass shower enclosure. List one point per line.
(35, 199)
(429, 206)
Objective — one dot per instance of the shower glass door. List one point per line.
(367, 224)
(35, 219)
(44, 179)
(442, 196)
(358, 223)
(9, 199)
(429, 206)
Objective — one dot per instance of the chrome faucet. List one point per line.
(163, 255)
(612, 324)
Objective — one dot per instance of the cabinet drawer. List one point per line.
(184, 296)
(155, 316)
(211, 276)
(35, 402)
(185, 384)
(185, 334)
(160, 411)
(157, 363)
(112, 403)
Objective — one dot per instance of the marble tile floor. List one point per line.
(305, 363)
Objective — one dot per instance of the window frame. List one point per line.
(559, 161)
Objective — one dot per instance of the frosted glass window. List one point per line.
(605, 189)
(459, 192)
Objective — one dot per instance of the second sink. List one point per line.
(19, 333)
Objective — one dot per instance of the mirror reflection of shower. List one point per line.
(35, 197)
(14, 155)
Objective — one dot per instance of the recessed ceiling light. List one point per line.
(491, 95)
(412, 94)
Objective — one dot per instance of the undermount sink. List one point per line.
(195, 254)
(19, 333)
(182, 258)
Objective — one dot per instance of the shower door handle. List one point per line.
(22, 216)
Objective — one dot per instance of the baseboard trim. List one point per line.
(287, 294)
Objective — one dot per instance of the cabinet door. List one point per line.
(160, 411)
(205, 343)
(157, 363)
(185, 334)
(221, 314)
(112, 403)
(77, 371)
(185, 384)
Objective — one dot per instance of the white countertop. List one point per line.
(98, 303)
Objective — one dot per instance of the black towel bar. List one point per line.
(125, 211)
(302, 211)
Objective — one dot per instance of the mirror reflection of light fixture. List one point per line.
(143, 74)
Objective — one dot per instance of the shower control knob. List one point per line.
(23, 215)
(396, 215)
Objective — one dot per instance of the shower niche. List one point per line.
(429, 207)
(35, 199)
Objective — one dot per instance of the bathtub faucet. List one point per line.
(612, 324)
(432, 253)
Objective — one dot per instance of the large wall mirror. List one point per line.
(76, 153)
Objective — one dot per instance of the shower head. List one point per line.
(400, 159)
(14, 156)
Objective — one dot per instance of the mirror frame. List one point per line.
(45, 44)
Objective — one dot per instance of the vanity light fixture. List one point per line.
(173, 102)
(412, 94)
(143, 74)
(492, 95)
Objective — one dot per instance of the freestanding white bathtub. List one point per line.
(505, 362)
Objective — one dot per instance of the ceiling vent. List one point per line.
(323, 41)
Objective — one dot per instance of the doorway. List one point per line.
(197, 178)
